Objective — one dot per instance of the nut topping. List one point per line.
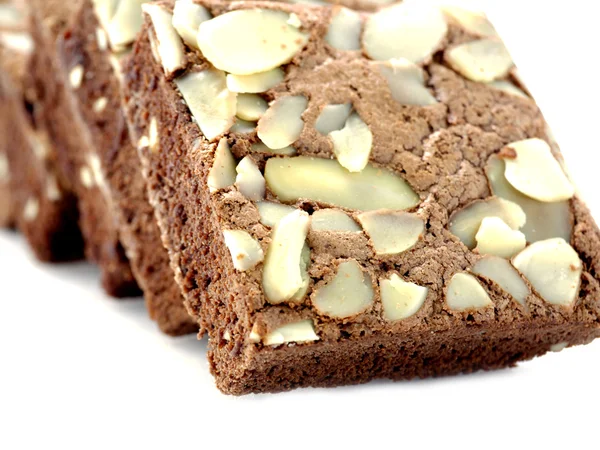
(533, 171)
(187, 17)
(303, 331)
(465, 293)
(349, 292)
(465, 223)
(332, 118)
(282, 124)
(246, 251)
(283, 274)
(344, 29)
(210, 102)
(249, 180)
(553, 268)
(391, 232)
(352, 144)
(249, 41)
(501, 272)
(473, 22)
(544, 220)
(407, 82)
(400, 298)
(250, 107)
(255, 83)
(484, 60)
(169, 45)
(222, 174)
(496, 238)
(271, 213)
(404, 30)
(333, 220)
(331, 184)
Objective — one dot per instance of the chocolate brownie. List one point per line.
(347, 203)
(109, 169)
(67, 130)
(41, 206)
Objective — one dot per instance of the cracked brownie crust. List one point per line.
(337, 230)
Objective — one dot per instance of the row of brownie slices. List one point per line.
(332, 195)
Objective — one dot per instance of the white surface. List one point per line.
(81, 371)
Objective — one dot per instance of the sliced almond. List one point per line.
(101, 39)
(473, 22)
(352, 144)
(508, 87)
(18, 42)
(500, 271)
(4, 169)
(76, 76)
(544, 220)
(282, 124)
(400, 299)
(331, 184)
(304, 263)
(303, 331)
(246, 251)
(333, 220)
(249, 41)
(465, 293)
(391, 232)
(405, 30)
(187, 17)
(553, 268)
(170, 46)
(53, 192)
(259, 147)
(465, 223)
(271, 213)
(125, 23)
(250, 107)
(99, 105)
(344, 29)
(484, 60)
(349, 292)
(31, 209)
(153, 134)
(249, 180)
(255, 83)
(496, 238)
(332, 118)
(243, 126)
(407, 82)
(222, 174)
(282, 273)
(9, 15)
(210, 102)
(532, 170)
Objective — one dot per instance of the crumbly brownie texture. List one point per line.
(41, 207)
(68, 133)
(359, 218)
(110, 170)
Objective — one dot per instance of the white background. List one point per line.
(79, 370)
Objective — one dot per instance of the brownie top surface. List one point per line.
(387, 170)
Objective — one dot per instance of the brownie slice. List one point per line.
(40, 204)
(347, 203)
(67, 131)
(109, 169)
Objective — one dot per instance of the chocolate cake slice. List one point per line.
(342, 203)
(40, 204)
(108, 169)
(54, 86)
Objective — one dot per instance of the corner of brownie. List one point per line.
(347, 199)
